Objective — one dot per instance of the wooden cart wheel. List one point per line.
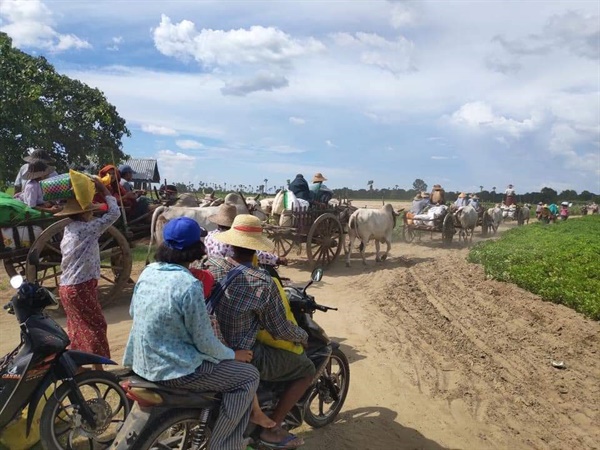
(448, 229)
(14, 266)
(283, 243)
(325, 240)
(486, 222)
(408, 233)
(115, 264)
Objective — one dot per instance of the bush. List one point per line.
(560, 262)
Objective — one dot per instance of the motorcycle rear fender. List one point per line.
(82, 358)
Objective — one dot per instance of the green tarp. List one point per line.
(13, 211)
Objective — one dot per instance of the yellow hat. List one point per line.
(83, 187)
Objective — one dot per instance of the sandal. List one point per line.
(289, 442)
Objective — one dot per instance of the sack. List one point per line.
(13, 211)
(264, 337)
(25, 238)
(57, 188)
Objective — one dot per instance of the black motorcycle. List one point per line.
(172, 418)
(84, 410)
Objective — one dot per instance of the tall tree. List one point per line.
(43, 109)
(419, 185)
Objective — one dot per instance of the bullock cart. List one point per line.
(443, 224)
(41, 260)
(320, 227)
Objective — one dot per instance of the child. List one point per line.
(80, 273)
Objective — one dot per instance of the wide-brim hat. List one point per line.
(225, 216)
(474, 197)
(246, 232)
(437, 186)
(424, 194)
(73, 207)
(418, 197)
(318, 177)
(462, 195)
(39, 155)
(38, 169)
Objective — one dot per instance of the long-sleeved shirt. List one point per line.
(217, 248)
(32, 195)
(171, 333)
(251, 301)
(80, 249)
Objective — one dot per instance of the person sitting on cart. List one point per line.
(510, 196)
(420, 202)
(142, 202)
(319, 192)
(461, 201)
(32, 195)
(35, 155)
(474, 202)
(224, 219)
(112, 180)
(252, 301)
(299, 187)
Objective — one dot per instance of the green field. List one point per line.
(560, 262)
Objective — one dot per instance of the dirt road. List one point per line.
(442, 358)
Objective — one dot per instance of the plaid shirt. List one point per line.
(250, 302)
(218, 248)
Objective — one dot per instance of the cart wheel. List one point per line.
(448, 229)
(283, 243)
(325, 240)
(43, 261)
(408, 233)
(485, 223)
(14, 266)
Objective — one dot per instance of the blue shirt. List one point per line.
(171, 333)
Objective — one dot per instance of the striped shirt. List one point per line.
(250, 302)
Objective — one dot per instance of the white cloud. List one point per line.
(30, 24)
(116, 42)
(262, 81)
(212, 48)
(403, 14)
(297, 120)
(440, 157)
(188, 144)
(479, 115)
(284, 149)
(394, 56)
(157, 129)
(166, 156)
(330, 144)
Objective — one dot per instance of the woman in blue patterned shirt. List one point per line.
(172, 341)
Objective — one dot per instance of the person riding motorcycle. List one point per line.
(173, 343)
(250, 302)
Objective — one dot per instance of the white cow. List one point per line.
(468, 221)
(495, 214)
(526, 213)
(367, 224)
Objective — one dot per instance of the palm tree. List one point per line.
(265, 180)
(370, 184)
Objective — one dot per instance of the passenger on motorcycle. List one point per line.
(252, 302)
(172, 341)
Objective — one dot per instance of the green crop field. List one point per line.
(560, 262)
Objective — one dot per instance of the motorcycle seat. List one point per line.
(138, 382)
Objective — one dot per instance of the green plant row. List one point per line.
(560, 262)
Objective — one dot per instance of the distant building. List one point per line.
(146, 172)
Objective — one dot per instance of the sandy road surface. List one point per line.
(442, 358)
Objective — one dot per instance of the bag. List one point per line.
(57, 188)
(264, 337)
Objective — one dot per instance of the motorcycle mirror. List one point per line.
(317, 274)
(16, 281)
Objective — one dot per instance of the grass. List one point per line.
(560, 262)
(138, 253)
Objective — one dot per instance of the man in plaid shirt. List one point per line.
(252, 301)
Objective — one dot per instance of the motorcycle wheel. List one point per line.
(337, 378)
(175, 429)
(61, 424)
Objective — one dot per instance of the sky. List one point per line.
(460, 93)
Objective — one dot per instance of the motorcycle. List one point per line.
(171, 418)
(82, 410)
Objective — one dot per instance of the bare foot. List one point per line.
(261, 419)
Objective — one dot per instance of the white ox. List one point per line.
(468, 221)
(163, 214)
(495, 214)
(367, 224)
(526, 213)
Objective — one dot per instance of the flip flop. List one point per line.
(284, 444)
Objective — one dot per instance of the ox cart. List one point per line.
(37, 256)
(321, 227)
(446, 224)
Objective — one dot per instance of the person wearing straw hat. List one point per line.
(474, 202)
(510, 195)
(251, 302)
(32, 195)
(319, 192)
(34, 155)
(172, 341)
(461, 200)
(80, 265)
(223, 219)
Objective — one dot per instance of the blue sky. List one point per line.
(458, 93)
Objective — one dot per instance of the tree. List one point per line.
(549, 195)
(419, 185)
(568, 194)
(43, 109)
(265, 187)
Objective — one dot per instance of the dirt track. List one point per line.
(442, 358)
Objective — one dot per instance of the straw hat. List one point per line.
(425, 194)
(318, 177)
(474, 197)
(38, 169)
(437, 187)
(225, 215)
(246, 232)
(462, 195)
(73, 207)
(39, 155)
